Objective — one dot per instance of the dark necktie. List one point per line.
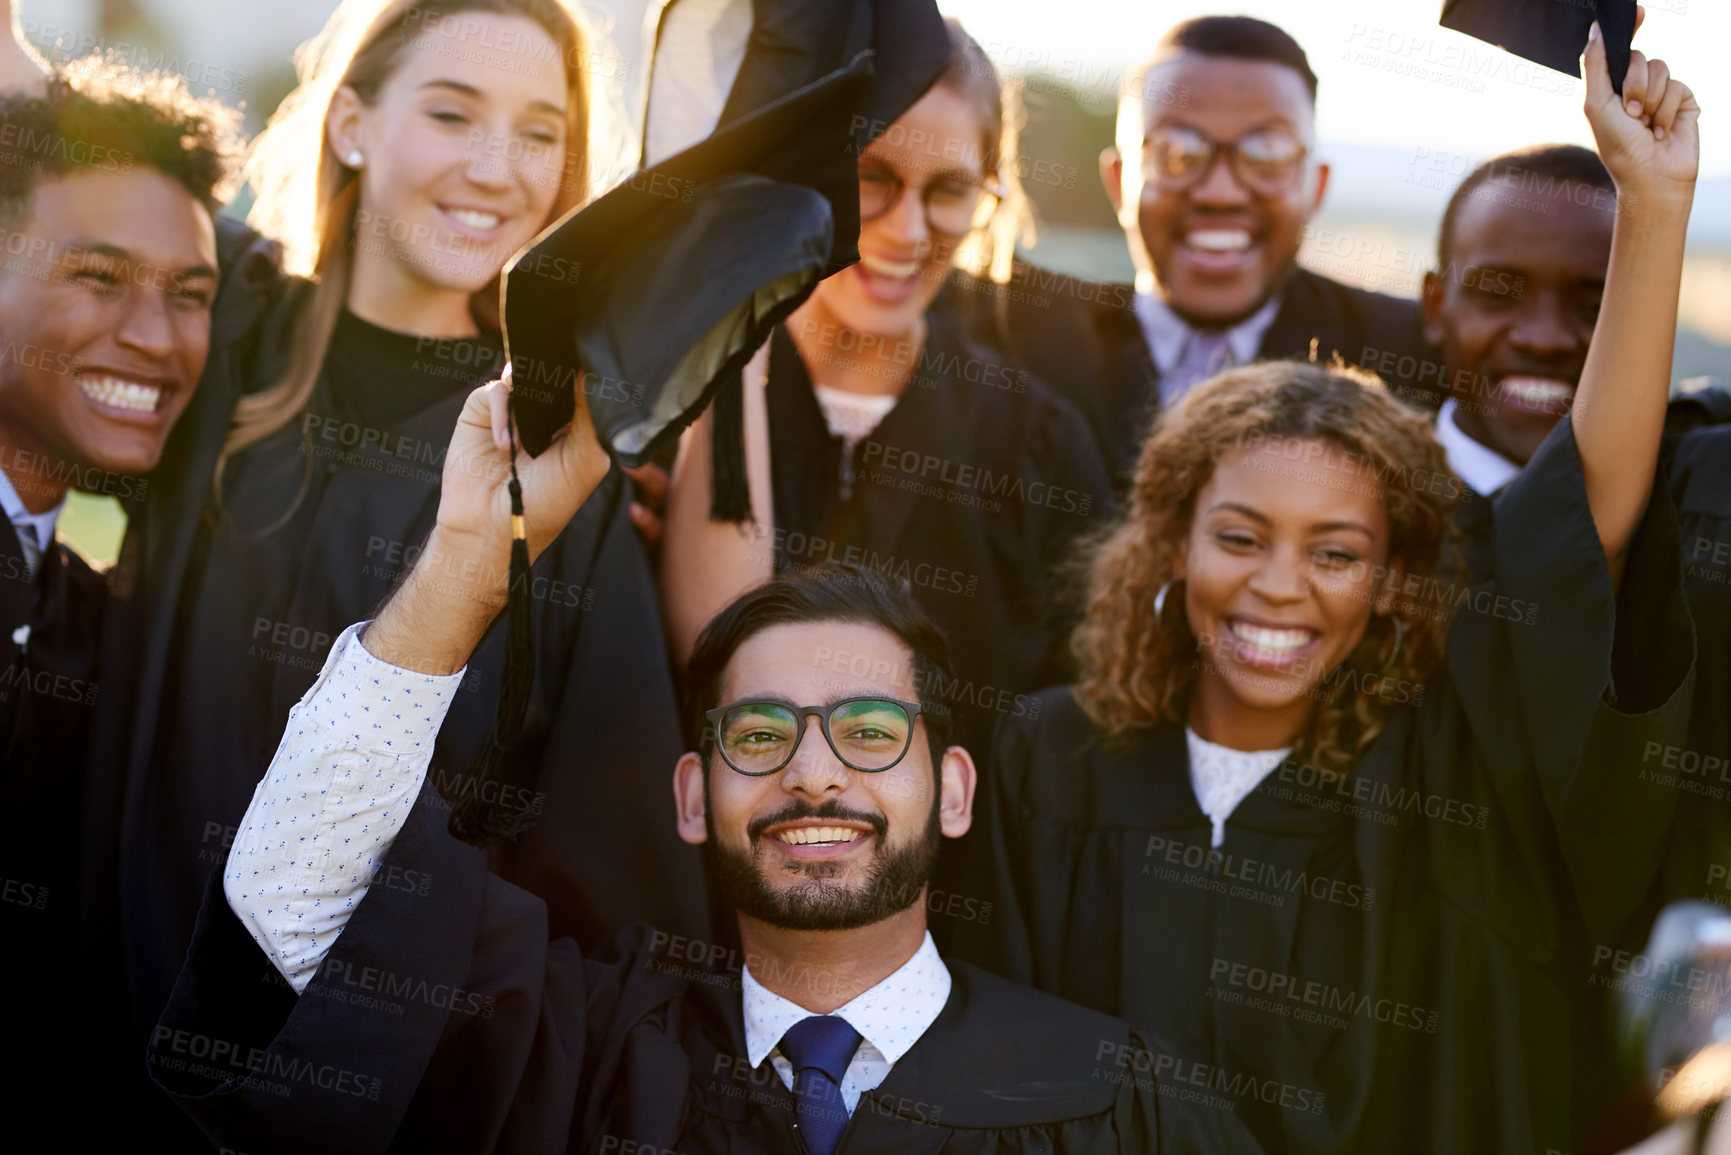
(820, 1049)
(17, 603)
(1206, 352)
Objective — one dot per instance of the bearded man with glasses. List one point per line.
(1215, 180)
(394, 995)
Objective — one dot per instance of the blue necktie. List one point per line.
(820, 1049)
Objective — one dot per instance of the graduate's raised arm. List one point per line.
(446, 602)
(376, 709)
(1648, 140)
(340, 805)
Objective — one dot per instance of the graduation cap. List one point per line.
(1549, 32)
(658, 292)
(666, 285)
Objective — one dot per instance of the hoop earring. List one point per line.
(1399, 637)
(1160, 601)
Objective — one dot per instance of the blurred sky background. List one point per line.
(1405, 109)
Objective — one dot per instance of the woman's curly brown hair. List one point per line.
(1137, 670)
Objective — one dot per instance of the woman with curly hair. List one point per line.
(1337, 826)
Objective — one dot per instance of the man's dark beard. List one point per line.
(893, 885)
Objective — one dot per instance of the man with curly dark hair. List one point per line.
(109, 183)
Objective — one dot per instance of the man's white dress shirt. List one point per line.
(890, 1018)
(1478, 465)
(351, 763)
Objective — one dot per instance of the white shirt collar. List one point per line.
(42, 524)
(1478, 465)
(1166, 332)
(891, 1016)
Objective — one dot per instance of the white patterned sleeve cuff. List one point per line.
(340, 788)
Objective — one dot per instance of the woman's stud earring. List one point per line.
(354, 159)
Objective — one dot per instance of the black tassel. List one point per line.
(472, 819)
(730, 496)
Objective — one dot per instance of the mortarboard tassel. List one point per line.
(473, 820)
(730, 495)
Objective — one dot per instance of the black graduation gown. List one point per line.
(228, 627)
(452, 1024)
(1405, 941)
(50, 623)
(1696, 466)
(1690, 857)
(1699, 855)
(1654, 630)
(48, 694)
(972, 490)
(1673, 853)
(1083, 339)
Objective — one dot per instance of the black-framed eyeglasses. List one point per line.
(1266, 161)
(951, 199)
(869, 734)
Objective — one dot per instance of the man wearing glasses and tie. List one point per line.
(1214, 179)
(369, 1011)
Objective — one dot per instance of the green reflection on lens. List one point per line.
(758, 735)
(870, 732)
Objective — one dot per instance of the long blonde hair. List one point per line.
(307, 196)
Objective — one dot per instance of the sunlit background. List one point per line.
(1405, 109)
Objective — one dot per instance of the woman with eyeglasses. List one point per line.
(877, 434)
(426, 143)
(1350, 836)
